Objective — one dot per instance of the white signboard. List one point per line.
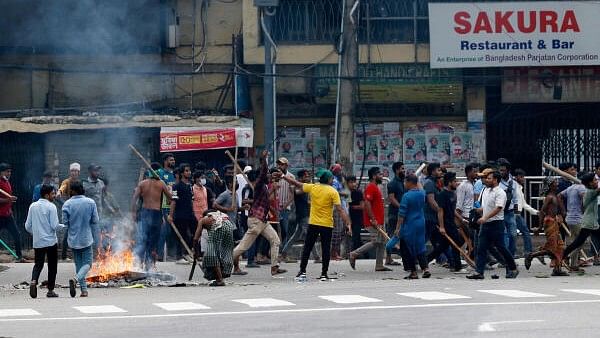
(509, 34)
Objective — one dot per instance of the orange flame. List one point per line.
(111, 264)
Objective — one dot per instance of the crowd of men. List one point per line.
(188, 212)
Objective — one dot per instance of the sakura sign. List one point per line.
(509, 34)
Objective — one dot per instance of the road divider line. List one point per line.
(316, 310)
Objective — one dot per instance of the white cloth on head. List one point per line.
(75, 166)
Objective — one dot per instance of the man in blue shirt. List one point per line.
(509, 185)
(46, 179)
(42, 222)
(166, 234)
(80, 216)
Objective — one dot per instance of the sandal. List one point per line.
(240, 273)
(426, 274)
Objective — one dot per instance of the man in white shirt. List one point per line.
(465, 191)
(42, 222)
(491, 233)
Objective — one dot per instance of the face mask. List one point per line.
(203, 181)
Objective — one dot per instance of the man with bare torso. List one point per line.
(551, 217)
(150, 191)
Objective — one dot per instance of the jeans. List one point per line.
(524, 229)
(11, 226)
(165, 234)
(284, 223)
(83, 264)
(312, 233)
(40, 254)
(511, 231)
(151, 221)
(491, 234)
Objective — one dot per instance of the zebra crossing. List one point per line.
(323, 300)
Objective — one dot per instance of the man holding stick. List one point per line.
(182, 212)
(258, 224)
(551, 218)
(6, 215)
(446, 201)
(150, 190)
(373, 218)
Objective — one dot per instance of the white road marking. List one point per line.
(489, 326)
(316, 310)
(18, 312)
(595, 292)
(181, 306)
(263, 302)
(516, 293)
(350, 299)
(99, 309)
(433, 295)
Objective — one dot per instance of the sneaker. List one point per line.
(300, 277)
(460, 271)
(426, 274)
(182, 261)
(559, 273)
(252, 265)
(72, 290)
(51, 294)
(323, 278)
(83, 294)
(33, 289)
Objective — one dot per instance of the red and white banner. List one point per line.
(509, 34)
(187, 139)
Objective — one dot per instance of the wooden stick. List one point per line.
(235, 170)
(420, 169)
(561, 173)
(462, 253)
(237, 167)
(5, 193)
(565, 228)
(144, 160)
(183, 243)
(383, 233)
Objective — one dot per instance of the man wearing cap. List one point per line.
(323, 200)
(64, 192)
(6, 216)
(46, 180)
(285, 199)
(95, 189)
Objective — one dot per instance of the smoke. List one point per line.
(92, 35)
(82, 26)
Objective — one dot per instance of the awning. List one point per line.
(46, 124)
(193, 138)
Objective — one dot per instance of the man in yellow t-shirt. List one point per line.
(323, 198)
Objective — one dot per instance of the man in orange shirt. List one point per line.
(373, 219)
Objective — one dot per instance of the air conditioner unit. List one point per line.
(266, 3)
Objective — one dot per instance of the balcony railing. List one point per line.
(381, 21)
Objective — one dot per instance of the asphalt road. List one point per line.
(358, 303)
